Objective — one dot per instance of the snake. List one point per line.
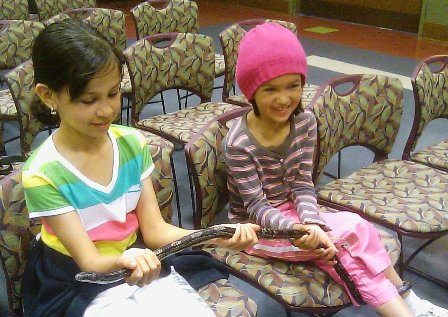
(216, 232)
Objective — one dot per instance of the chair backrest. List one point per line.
(230, 39)
(48, 8)
(17, 231)
(205, 160)
(430, 86)
(185, 61)
(16, 40)
(108, 22)
(20, 81)
(14, 10)
(367, 114)
(164, 16)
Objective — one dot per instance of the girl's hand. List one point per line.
(318, 241)
(144, 264)
(244, 236)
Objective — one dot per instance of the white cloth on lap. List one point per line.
(168, 296)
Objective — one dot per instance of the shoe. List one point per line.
(428, 309)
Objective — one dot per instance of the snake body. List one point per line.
(207, 234)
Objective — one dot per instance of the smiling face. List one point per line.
(91, 113)
(277, 98)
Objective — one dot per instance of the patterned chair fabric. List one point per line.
(165, 16)
(430, 85)
(404, 196)
(48, 8)
(14, 10)
(16, 40)
(16, 229)
(297, 286)
(230, 42)
(186, 63)
(21, 84)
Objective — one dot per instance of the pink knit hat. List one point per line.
(267, 51)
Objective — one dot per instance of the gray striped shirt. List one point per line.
(262, 178)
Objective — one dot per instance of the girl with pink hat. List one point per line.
(269, 156)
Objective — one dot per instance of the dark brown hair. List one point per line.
(67, 55)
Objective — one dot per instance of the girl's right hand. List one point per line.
(144, 264)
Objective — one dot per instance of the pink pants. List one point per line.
(360, 250)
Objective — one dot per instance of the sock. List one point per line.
(413, 301)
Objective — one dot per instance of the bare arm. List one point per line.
(157, 233)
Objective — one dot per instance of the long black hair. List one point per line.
(66, 55)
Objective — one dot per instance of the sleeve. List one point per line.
(42, 196)
(147, 165)
(302, 188)
(241, 166)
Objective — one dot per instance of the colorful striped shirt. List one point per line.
(54, 186)
(262, 178)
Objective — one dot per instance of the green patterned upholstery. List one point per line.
(187, 63)
(230, 41)
(430, 85)
(16, 40)
(14, 10)
(298, 286)
(156, 16)
(48, 8)
(175, 16)
(226, 300)
(16, 230)
(405, 196)
(21, 84)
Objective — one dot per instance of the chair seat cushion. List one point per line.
(299, 284)
(181, 124)
(219, 65)
(435, 155)
(7, 105)
(406, 194)
(226, 300)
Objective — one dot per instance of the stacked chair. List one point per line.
(16, 40)
(405, 196)
(298, 286)
(430, 86)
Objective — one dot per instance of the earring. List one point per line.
(52, 111)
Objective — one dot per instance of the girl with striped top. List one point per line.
(269, 157)
(89, 184)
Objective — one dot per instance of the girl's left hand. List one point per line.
(244, 236)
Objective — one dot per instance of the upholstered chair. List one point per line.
(407, 197)
(16, 40)
(430, 86)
